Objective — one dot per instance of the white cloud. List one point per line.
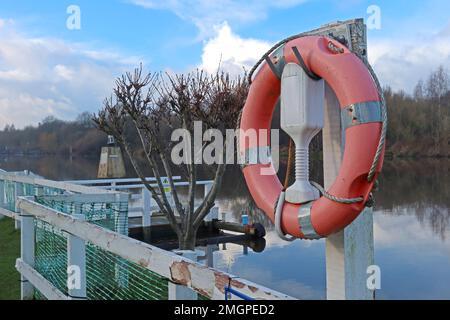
(231, 52)
(64, 72)
(401, 63)
(397, 229)
(206, 14)
(46, 76)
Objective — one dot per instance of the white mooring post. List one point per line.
(350, 251)
(76, 264)
(27, 246)
(18, 191)
(180, 292)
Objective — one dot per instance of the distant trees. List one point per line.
(419, 124)
(54, 136)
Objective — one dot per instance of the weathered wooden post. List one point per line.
(27, 246)
(76, 264)
(351, 251)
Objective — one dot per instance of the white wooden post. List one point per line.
(2, 196)
(39, 191)
(350, 251)
(27, 245)
(147, 207)
(179, 292)
(18, 191)
(121, 271)
(214, 212)
(76, 264)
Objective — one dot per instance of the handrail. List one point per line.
(118, 180)
(66, 186)
(107, 183)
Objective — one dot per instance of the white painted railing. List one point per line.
(141, 204)
(179, 271)
(209, 282)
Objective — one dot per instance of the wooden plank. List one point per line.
(8, 213)
(39, 282)
(206, 281)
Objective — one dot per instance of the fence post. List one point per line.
(76, 264)
(18, 191)
(180, 292)
(147, 207)
(121, 268)
(27, 246)
(2, 196)
(39, 191)
(214, 212)
(350, 251)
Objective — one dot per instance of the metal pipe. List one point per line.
(256, 230)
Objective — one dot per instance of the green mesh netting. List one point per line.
(109, 215)
(14, 189)
(108, 276)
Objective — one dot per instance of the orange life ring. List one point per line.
(357, 93)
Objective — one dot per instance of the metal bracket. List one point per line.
(360, 113)
(304, 220)
(276, 61)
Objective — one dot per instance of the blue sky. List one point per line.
(47, 69)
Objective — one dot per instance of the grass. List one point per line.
(9, 252)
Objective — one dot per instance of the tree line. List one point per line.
(53, 137)
(419, 123)
(419, 126)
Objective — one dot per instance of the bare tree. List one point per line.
(437, 87)
(151, 106)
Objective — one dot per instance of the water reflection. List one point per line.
(411, 228)
(54, 167)
(420, 188)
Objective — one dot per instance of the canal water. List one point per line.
(411, 228)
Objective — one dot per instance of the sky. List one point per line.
(51, 66)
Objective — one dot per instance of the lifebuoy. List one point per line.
(361, 106)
